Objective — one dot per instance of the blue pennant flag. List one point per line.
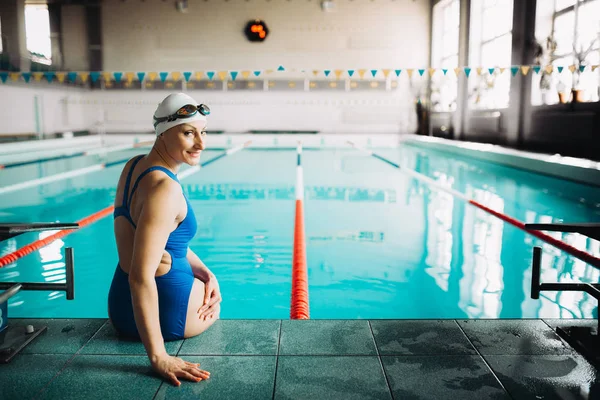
(467, 71)
(187, 76)
(350, 73)
(581, 68)
(514, 70)
(234, 74)
(444, 71)
(421, 72)
(4, 76)
(256, 73)
(327, 72)
(560, 69)
(94, 76)
(49, 76)
(210, 75)
(163, 76)
(26, 76)
(72, 76)
(398, 71)
(118, 76)
(373, 72)
(281, 68)
(491, 70)
(141, 76)
(536, 68)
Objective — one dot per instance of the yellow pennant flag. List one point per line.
(107, 76)
(572, 68)
(479, 69)
(431, 72)
(14, 76)
(222, 75)
(315, 72)
(549, 69)
(410, 72)
(594, 67)
(501, 69)
(84, 76)
(198, 75)
(457, 71)
(245, 74)
(525, 69)
(152, 76)
(129, 77)
(61, 76)
(37, 76)
(176, 76)
(269, 71)
(386, 72)
(338, 73)
(361, 73)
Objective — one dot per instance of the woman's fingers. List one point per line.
(189, 376)
(174, 379)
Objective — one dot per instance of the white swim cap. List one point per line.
(169, 106)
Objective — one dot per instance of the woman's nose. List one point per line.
(199, 142)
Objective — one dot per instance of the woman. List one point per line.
(161, 290)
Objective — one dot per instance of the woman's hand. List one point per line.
(212, 297)
(171, 368)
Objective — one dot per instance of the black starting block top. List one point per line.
(9, 230)
(591, 230)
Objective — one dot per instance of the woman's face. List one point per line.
(185, 142)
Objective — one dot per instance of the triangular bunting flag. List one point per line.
(398, 71)
(560, 69)
(421, 72)
(14, 76)
(222, 75)
(187, 76)
(94, 76)
(176, 76)
(361, 73)
(525, 69)
(61, 76)
(269, 71)
(141, 76)
(49, 76)
(163, 76)
(467, 71)
(501, 70)
(37, 76)
(129, 76)
(431, 72)
(256, 73)
(327, 72)
(280, 68)
(410, 71)
(210, 75)
(233, 74)
(245, 74)
(152, 76)
(457, 71)
(106, 76)
(3, 76)
(373, 72)
(338, 73)
(350, 73)
(72, 76)
(84, 76)
(198, 75)
(386, 72)
(118, 76)
(549, 69)
(572, 68)
(445, 71)
(479, 70)
(514, 70)
(581, 68)
(594, 67)
(491, 70)
(536, 68)
(315, 72)
(26, 76)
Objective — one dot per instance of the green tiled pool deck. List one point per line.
(315, 359)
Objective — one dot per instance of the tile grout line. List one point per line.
(483, 359)
(277, 359)
(60, 371)
(380, 361)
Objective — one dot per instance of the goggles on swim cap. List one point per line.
(189, 110)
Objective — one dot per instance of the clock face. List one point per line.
(256, 30)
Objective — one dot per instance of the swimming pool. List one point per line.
(380, 244)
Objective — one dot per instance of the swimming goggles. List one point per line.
(187, 111)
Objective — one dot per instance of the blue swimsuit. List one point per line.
(174, 287)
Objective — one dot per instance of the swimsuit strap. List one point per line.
(128, 181)
(146, 172)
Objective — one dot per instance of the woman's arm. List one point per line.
(200, 270)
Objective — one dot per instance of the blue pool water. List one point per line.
(380, 244)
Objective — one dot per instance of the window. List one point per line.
(568, 33)
(37, 30)
(444, 88)
(490, 47)
(1, 38)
